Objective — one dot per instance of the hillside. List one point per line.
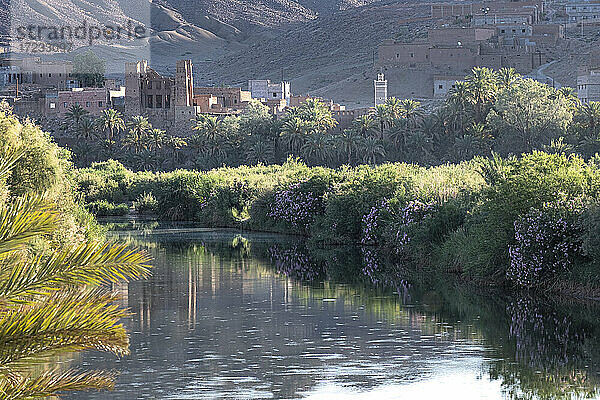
(324, 47)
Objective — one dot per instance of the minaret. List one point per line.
(381, 86)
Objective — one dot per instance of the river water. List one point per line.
(229, 316)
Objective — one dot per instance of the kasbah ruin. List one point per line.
(524, 35)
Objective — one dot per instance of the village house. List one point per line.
(507, 35)
(92, 100)
(267, 90)
(52, 74)
(588, 85)
(586, 11)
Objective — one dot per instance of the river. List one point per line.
(253, 316)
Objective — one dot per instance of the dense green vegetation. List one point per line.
(53, 271)
(527, 221)
(489, 112)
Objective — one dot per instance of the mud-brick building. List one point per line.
(162, 99)
(93, 100)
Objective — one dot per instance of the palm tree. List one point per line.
(418, 147)
(382, 116)
(86, 128)
(558, 146)
(364, 125)
(411, 112)
(76, 113)
(208, 126)
(138, 130)
(317, 148)
(396, 134)
(589, 113)
(458, 105)
(175, 145)
(84, 153)
(143, 160)
(465, 147)
(483, 85)
(156, 138)
(507, 76)
(587, 124)
(570, 95)
(293, 134)
(112, 122)
(394, 108)
(314, 112)
(259, 151)
(56, 304)
(348, 143)
(372, 149)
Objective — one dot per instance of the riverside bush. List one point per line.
(146, 203)
(547, 244)
(103, 208)
(468, 218)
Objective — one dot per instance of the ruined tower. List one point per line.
(133, 87)
(184, 84)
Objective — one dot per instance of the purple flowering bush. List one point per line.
(374, 221)
(377, 221)
(297, 206)
(547, 243)
(391, 226)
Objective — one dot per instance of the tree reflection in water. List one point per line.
(540, 349)
(537, 348)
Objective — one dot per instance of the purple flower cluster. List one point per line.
(413, 213)
(371, 266)
(296, 207)
(371, 222)
(545, 245)
(295, 263)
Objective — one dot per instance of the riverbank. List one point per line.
(528, 222)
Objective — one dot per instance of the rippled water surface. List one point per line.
(259, 317)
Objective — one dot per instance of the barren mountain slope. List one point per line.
(322, 56)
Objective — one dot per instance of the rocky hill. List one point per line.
(324, 47)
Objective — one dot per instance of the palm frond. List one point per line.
(8, 160)
(24, 219)
(50, 383)
(67, 320)
(91, 263)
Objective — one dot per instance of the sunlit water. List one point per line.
(220, 319)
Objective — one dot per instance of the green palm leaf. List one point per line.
(50, 383)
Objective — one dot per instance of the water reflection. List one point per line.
(226, 316)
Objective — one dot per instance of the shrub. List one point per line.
(146, 204)
(103, 208)
(296, 206)
(520, 185)
(546, 245)
(182, 195)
